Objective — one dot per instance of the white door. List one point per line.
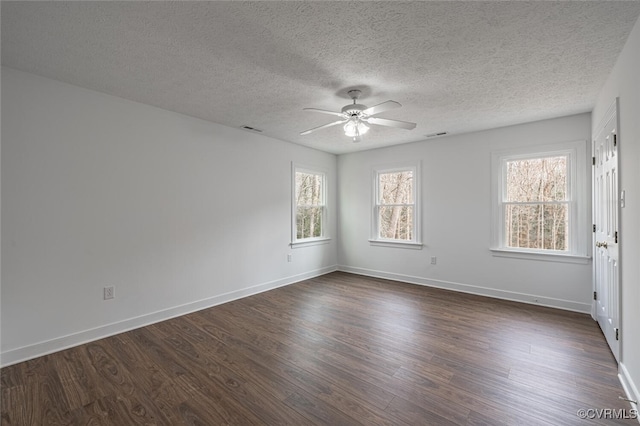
(606, 253)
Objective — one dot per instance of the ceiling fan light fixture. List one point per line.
(355, 128)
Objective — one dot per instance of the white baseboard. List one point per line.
(25, 353)
(567, 305)
(629, 387)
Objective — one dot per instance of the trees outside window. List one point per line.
(537, 203)
(396, 206)
(309, 199)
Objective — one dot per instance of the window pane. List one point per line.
(537, 179)
(537, 226)
(396, 222)
(308, 222)
(308, 189)
(396, 188)
(309, 204)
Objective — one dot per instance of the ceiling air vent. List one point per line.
(433, 135)
(250, 129)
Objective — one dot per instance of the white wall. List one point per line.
(456, 218)
(0, 223)
(624, 82)
(176, 213)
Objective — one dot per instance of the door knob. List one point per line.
(601, 244)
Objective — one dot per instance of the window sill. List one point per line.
(310, 242)
(545, 257)
(396, 244)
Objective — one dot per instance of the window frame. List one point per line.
(577, 191)
(324, 237)
(375, 240)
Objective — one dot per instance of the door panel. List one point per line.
(606, 239)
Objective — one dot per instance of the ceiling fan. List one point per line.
(356, 117)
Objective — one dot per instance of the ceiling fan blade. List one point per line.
(324, 111)
(385, 106)
(324, 126)
(391, 123)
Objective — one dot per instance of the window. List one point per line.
(396, 208)
(540, 202)
(536, 203)
(309, 201)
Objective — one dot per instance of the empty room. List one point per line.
(310, 212)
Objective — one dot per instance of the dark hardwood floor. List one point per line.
(340, 349)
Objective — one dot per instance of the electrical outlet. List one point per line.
(109, 292)
(434, 260)
(289, 258)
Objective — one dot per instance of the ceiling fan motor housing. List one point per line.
(353, 110)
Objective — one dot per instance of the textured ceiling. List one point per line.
(455, 66)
